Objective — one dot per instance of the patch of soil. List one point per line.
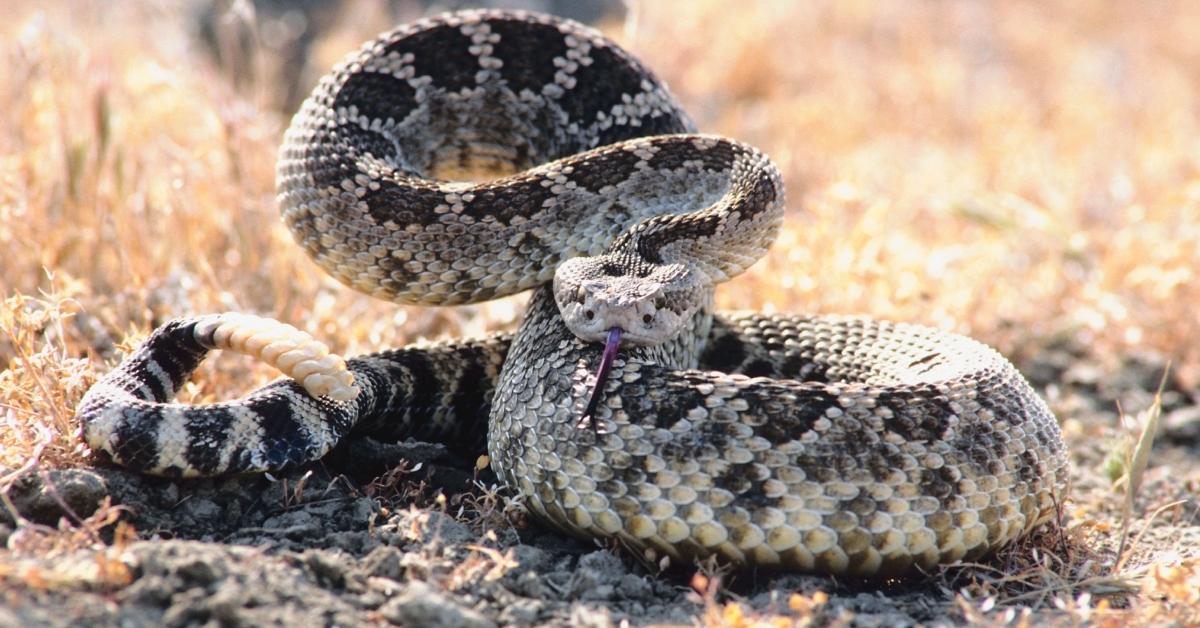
(357, 540)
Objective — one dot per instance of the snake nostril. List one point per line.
(589, 314)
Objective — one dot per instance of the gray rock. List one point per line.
(597, 577)
(327, 567)
(423, 605)
(432, 527)
(384, 562)
(635, 587)
(45, 496)
(522, 613)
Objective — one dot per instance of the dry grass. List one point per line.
(1022, 171)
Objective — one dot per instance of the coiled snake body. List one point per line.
(827, 444)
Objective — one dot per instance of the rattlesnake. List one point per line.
(828, 444)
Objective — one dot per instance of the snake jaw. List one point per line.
(606, 361)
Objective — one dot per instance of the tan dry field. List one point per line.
(1027, 173)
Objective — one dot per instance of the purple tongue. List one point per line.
(606, 361)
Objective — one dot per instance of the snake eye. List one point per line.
(648, 318)
(588, 314)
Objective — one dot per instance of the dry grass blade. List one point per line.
(1138, 459)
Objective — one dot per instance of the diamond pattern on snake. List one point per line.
(623, 407)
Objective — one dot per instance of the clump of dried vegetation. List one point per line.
(1023, 172)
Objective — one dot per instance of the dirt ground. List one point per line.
(1022, 172)
(433, 542)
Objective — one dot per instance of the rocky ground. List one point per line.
(432, 542)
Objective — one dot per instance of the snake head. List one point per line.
(597, 294)
(615, 299)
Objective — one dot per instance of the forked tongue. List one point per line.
(606, 362)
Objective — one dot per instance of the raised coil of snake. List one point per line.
(623, 407)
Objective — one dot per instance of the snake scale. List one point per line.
(623, 407)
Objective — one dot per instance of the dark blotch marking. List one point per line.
(611, 269)
(179, 365)
(680, 150)
(352, 142)
(918, 415)
(760, 368)
(633, 475)
(426, 392)
(410, 391)
(506, 198)
(208, 433)
(443, 52)
(669, 403)
(381, 414)
(403, 205)
(880, 463)
(792, 421)
(801, 368)
(285, 440)
(601, 84)
(656, 233)
(471, 408)
(740, 480)
(377, 96)
(174, 348)
(609, 167)
(136, 443)
(407, 202)
(527, 51)
(1029, 470)
(933, 485)
(725, 353)
(761, 196)
(141, 371)
(817, 465)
